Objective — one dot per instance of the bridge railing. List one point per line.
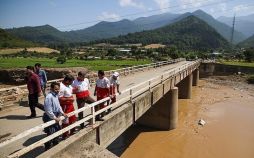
(131, 93)
(6, 94)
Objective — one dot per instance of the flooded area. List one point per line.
(227, 107)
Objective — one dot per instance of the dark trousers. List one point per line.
(33, 102)
(50, 130)
(81, 103)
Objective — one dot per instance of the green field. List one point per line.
(51, 63)
(237, 63)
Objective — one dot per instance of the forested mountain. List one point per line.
(155, 21)
(40, 34)
(47, 34)
(106, 29)
(220, 27)
(190, 33)
(9, 41)
(244, 24)
(248, 42)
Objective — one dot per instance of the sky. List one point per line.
(67, 15)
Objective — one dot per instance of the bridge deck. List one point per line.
(14, 122)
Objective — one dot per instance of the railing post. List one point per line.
(149, 85)
(93, 114)
(131, 95)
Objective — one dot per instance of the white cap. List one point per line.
(116, 74)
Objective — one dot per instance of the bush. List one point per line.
(61, 60)
(251, 79)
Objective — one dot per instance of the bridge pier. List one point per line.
(195, 77)
(163, 114)
(185, 87)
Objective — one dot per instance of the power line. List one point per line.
(138, 13)
(147, 24)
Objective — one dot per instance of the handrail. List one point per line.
(109, 71)
(42, 126)
(92, 107)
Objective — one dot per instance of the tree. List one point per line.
(61, 60)
(249, 55)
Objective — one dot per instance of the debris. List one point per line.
(201, 122)
(239, 73)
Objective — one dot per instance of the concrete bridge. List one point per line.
(153, 102)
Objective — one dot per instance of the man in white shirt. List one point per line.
(66, 101)
(114, 85)
(101, 91)
(81, 87)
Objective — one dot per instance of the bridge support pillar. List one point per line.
(163, 114)
(185, 87)
(195, 77)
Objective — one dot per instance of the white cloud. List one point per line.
(163, 4)
(243, 9)
(194, 3)
(212, 10)
(240, 8)
(105, 16)
(131, 3)
(223, 7)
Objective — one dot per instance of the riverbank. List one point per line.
(224, 103)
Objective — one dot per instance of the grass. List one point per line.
(37, 49)
(51, 63)
(250, 79)
(238, 63)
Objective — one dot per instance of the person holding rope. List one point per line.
(81, 87)
(53, 111)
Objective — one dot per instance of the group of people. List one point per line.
(59, 101)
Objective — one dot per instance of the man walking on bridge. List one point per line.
(53, 111)
(114, 85)
(81, 87)
(34, 89)
(66, 101)
(102, 91)
(43, 77)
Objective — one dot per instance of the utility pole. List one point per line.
(233, 29)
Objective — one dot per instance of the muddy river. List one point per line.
(227, 107)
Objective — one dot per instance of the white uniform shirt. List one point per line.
(65, 91)
(103, 83)
(114, 82)
(81, 85)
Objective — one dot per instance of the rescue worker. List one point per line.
(102, 89)
(66, 100)
(81, 87)
(114, 85)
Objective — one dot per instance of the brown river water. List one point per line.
(226, 107)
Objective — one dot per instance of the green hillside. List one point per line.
(190, 33)
(248, 42)
(10, 41)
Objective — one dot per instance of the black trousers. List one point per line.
(81, 104)
(50, 130)
(33, 102)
